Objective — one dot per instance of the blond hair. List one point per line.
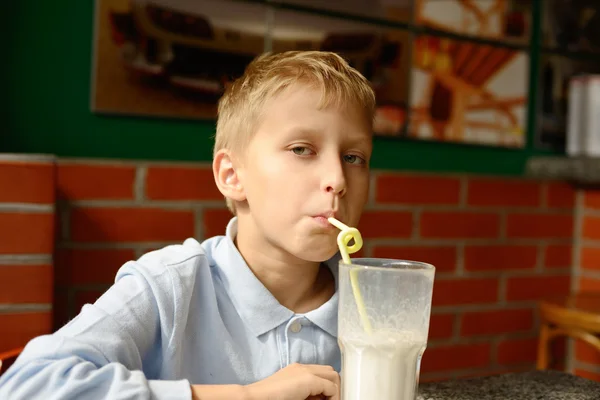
(240, 107)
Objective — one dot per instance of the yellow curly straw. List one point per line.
(346, 234)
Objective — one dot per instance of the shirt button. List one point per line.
(296, 327)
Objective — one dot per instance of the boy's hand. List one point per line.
(298, 382)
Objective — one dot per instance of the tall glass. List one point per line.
(383, 325)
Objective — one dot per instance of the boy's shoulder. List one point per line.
(173, 270)
(189, 252)
(183, 259)
(173, 254)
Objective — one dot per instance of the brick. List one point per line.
(18, 329)
(453, 225)
(26, 233)
(130, 224)
(419, 190)
(586, 353)
(26, 284)
(558, 256)
(560, 195)
(591, 228)
(27, 182)
(90, 266)
(536, 287)
(442, 257)
(590, 258)
(591, 199)
(386, 224)
(594, 376)
(95, 182)
(500, 257)
(558, 348)
(465, 291)
(558, 353)
(587, 284)
(215, 221)
(445, 358)
(539, 226)
(497, 321)
(441, 326)
(500, 192)
(517, 351)
(181, 183)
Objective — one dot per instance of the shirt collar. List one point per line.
(256, 305)
(325, 317)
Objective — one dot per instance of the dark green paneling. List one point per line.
(47, 92)
(534, 62)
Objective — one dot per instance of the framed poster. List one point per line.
(174, 58)
(463, 91)
(171, 58)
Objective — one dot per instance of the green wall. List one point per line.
(46, 85)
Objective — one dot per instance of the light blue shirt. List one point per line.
(185, 314)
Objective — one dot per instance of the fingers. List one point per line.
(326, 372)
(322, 380)
(331, 379)
(324, 387)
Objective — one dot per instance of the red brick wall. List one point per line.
(114, 212)
(26, 245)
(499, 245)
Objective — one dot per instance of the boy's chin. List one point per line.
(320, 255)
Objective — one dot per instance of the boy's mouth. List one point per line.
(321, 219)
(323, 222)
(328, 214)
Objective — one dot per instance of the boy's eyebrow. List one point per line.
(303, 131)
(358, 140)
(353, 139)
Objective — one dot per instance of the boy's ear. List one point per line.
(227, 177)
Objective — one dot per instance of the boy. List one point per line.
(252, 314)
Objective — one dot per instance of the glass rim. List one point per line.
(388, 264)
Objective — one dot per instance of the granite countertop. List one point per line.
(546, 385)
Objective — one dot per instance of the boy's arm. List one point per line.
(108, 349)
(219, 392)
(294, 382)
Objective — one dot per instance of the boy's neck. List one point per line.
(298, 285)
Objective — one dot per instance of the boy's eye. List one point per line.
(301, 151)
(353, 159)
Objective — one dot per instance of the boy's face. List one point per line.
(303, 165)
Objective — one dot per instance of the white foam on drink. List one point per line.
(383, 366)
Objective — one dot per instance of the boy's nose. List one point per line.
(339, 190)
(334, 180)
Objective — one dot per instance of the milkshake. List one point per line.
(383, 325)
(384, 366)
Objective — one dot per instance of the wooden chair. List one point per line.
(8, 358)
(576, 316)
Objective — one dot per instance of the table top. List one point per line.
(546, 385)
